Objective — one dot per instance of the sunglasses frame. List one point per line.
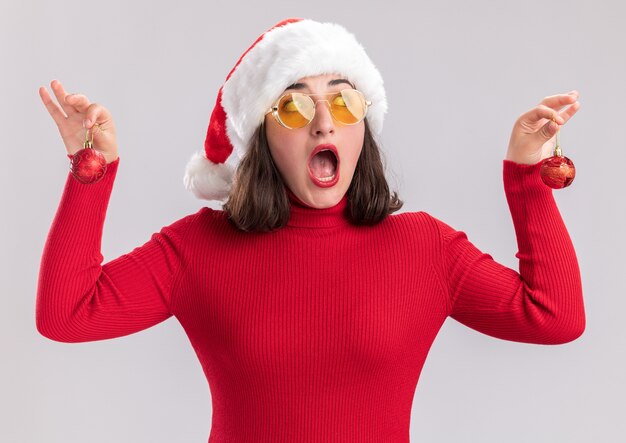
(274, 109)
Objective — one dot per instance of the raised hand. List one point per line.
(74, 115)
(534, 132)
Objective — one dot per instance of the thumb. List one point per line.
(547, 131)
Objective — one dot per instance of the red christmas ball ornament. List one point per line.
(88, 165)
(557, 171)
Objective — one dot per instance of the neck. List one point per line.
(305, 216)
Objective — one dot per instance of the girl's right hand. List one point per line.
(74, 109)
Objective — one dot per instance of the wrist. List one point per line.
(523, 159)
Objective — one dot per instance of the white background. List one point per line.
(457, 75)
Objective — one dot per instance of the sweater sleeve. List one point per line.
(543, 303)
(78, 298)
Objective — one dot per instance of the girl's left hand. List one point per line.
(534, 132)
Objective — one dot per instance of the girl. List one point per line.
(310, 305)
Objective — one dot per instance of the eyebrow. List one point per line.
(337, 81)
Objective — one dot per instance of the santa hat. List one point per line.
(290, 50)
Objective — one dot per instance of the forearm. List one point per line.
(547, 260)
(71, 259)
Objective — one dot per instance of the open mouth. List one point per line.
(324, 165)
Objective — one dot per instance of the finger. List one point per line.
(560, 100)
(540, 112)
(60, 94)
(53, 109)
(78, 101)
(570, 111)
(547, 131)
(96, 114)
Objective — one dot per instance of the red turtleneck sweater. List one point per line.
(316, 332)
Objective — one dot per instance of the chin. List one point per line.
(321, 199)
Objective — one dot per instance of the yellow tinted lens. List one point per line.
(348, 106)
(295, 110)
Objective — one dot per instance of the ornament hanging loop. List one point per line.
(89, 142)
(557, 142)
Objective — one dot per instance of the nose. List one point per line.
(323, 122)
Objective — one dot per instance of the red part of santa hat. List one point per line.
(288, 51)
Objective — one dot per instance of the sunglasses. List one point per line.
(296, 110)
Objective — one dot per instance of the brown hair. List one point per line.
(258, 199)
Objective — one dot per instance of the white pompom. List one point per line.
(208, 180)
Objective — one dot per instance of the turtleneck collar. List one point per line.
(304, 216)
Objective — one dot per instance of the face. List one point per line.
(319, 180)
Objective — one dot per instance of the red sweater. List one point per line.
(316, 332)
